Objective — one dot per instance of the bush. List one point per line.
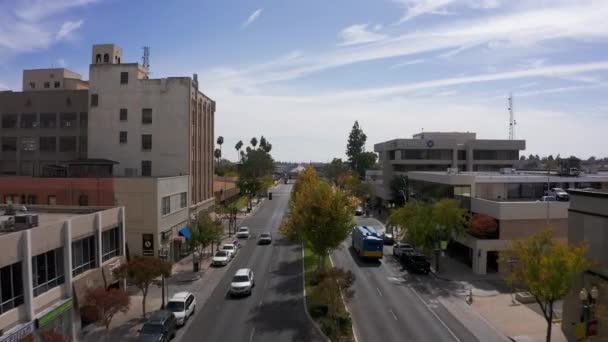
(328, 326)
(318, 310)
(344, 322)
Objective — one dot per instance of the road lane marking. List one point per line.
(260, 305)
(435, 314)
(393, 313)
(251, 335)
(380, 293)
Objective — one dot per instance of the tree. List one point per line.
(399, 191)
(142, 271)
(102, 305)
(217, 153)
(365, 161)
(205, 232)
(220, 141)
(358, 159)
(334, 169)
(321, 215)
(546, 269)
(333, 285)
(351, 183)
(482, 227)
(238, 147)
(254, 142)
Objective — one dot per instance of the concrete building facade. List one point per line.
(588, 223)
(438, 151)
(511, 199)
(46, 270)
(151, 127)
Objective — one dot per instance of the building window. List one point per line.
(94, 100)
(32, 199)
(57, 84)
(106, 58)
(83, 255)
(98, 58)
(48, 144)
(391, 155)
(110, 242)
(32, 85)
(52, 200)
(47, 271)
(29, 121)
(84, 120)
(82, 142)
(462, 155)
(48, 120)
(146, 142)
(122, 137)
(68, 120)
(29, 144)
(146, 168)
(166, 205)
(83, 200)
(47, 85)
(11, 285)
(124, 77)
(68, 102)
(146, 116)
(183, 199)
(67, 144)
(123, 114)
(9, 120)
(9, 144)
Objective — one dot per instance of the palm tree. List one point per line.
(263, 142)
(238, 147)
(218, 155)
(254, 142)
(220, 141)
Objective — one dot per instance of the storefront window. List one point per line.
(47, 271)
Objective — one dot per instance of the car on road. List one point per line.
(560, 194)
(230, 248)
(160, 327)
(265, 238)
(415, 262)
(221, 258)
(243, 233)
(359, 211)
(183, 305)
(548, 199)
(388, 239)
(400, 247)
(242, 282)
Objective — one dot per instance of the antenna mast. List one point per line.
(146, 57)
(512, 121)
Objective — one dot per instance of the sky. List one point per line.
(301, 72)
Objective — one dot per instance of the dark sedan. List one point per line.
(415, 262)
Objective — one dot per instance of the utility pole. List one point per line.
(512, 121)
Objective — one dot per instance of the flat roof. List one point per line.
(497, 177)
(48, 215)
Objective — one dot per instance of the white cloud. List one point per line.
(253, 17)
(415, 8)
(34, 10)
(61, 62)
(402, 64)
(359, 34)
(67, 29)
(377, 27)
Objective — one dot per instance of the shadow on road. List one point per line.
(286, 318)
(363, 262)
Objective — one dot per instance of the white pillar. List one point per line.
(123, 229)
(97, 223)
(26, 269)
(67, 257)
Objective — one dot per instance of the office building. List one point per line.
(50, 257)
(511, 198)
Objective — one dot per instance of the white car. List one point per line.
(265, 239)
(242, 282)
(243, 233)
(221, 258)
(183, 305)
(230, 248)
(399, 248)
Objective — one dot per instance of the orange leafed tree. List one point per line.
(102, 305)
(482, 226)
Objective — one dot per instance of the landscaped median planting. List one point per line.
(326, 291)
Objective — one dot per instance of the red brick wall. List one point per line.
(99, 191)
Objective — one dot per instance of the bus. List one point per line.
(367, 242)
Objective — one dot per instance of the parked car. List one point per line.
(160, 327)
(388, 239)
(230, 248)
(359, 211)
(221, 258)
(183, 305)
(548, 199)
(400, 248)
(242, 282)
(415, 262)
(559, 193)
(243, 233)
(265, 239)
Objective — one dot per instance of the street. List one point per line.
(385, 306)
(275, 309)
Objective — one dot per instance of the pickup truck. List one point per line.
(399, 248)
(415, 262)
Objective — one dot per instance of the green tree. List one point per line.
(334, 169)
(398, 188)
(321, 214)
(365, 161)
(358, 159)
(205, 232)
(141, 272)
(254, 142)
(101, 305)
(238, 147)
(546, 269)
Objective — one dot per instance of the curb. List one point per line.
(304, 298)
(352, 324)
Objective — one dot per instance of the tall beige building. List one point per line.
(151, 127)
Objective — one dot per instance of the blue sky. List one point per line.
(301, 72)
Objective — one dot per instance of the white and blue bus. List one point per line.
(367, 242)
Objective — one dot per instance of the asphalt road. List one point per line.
(275, 310)
(385, 307)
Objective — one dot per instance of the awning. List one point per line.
(179, 239)
(185, 232)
